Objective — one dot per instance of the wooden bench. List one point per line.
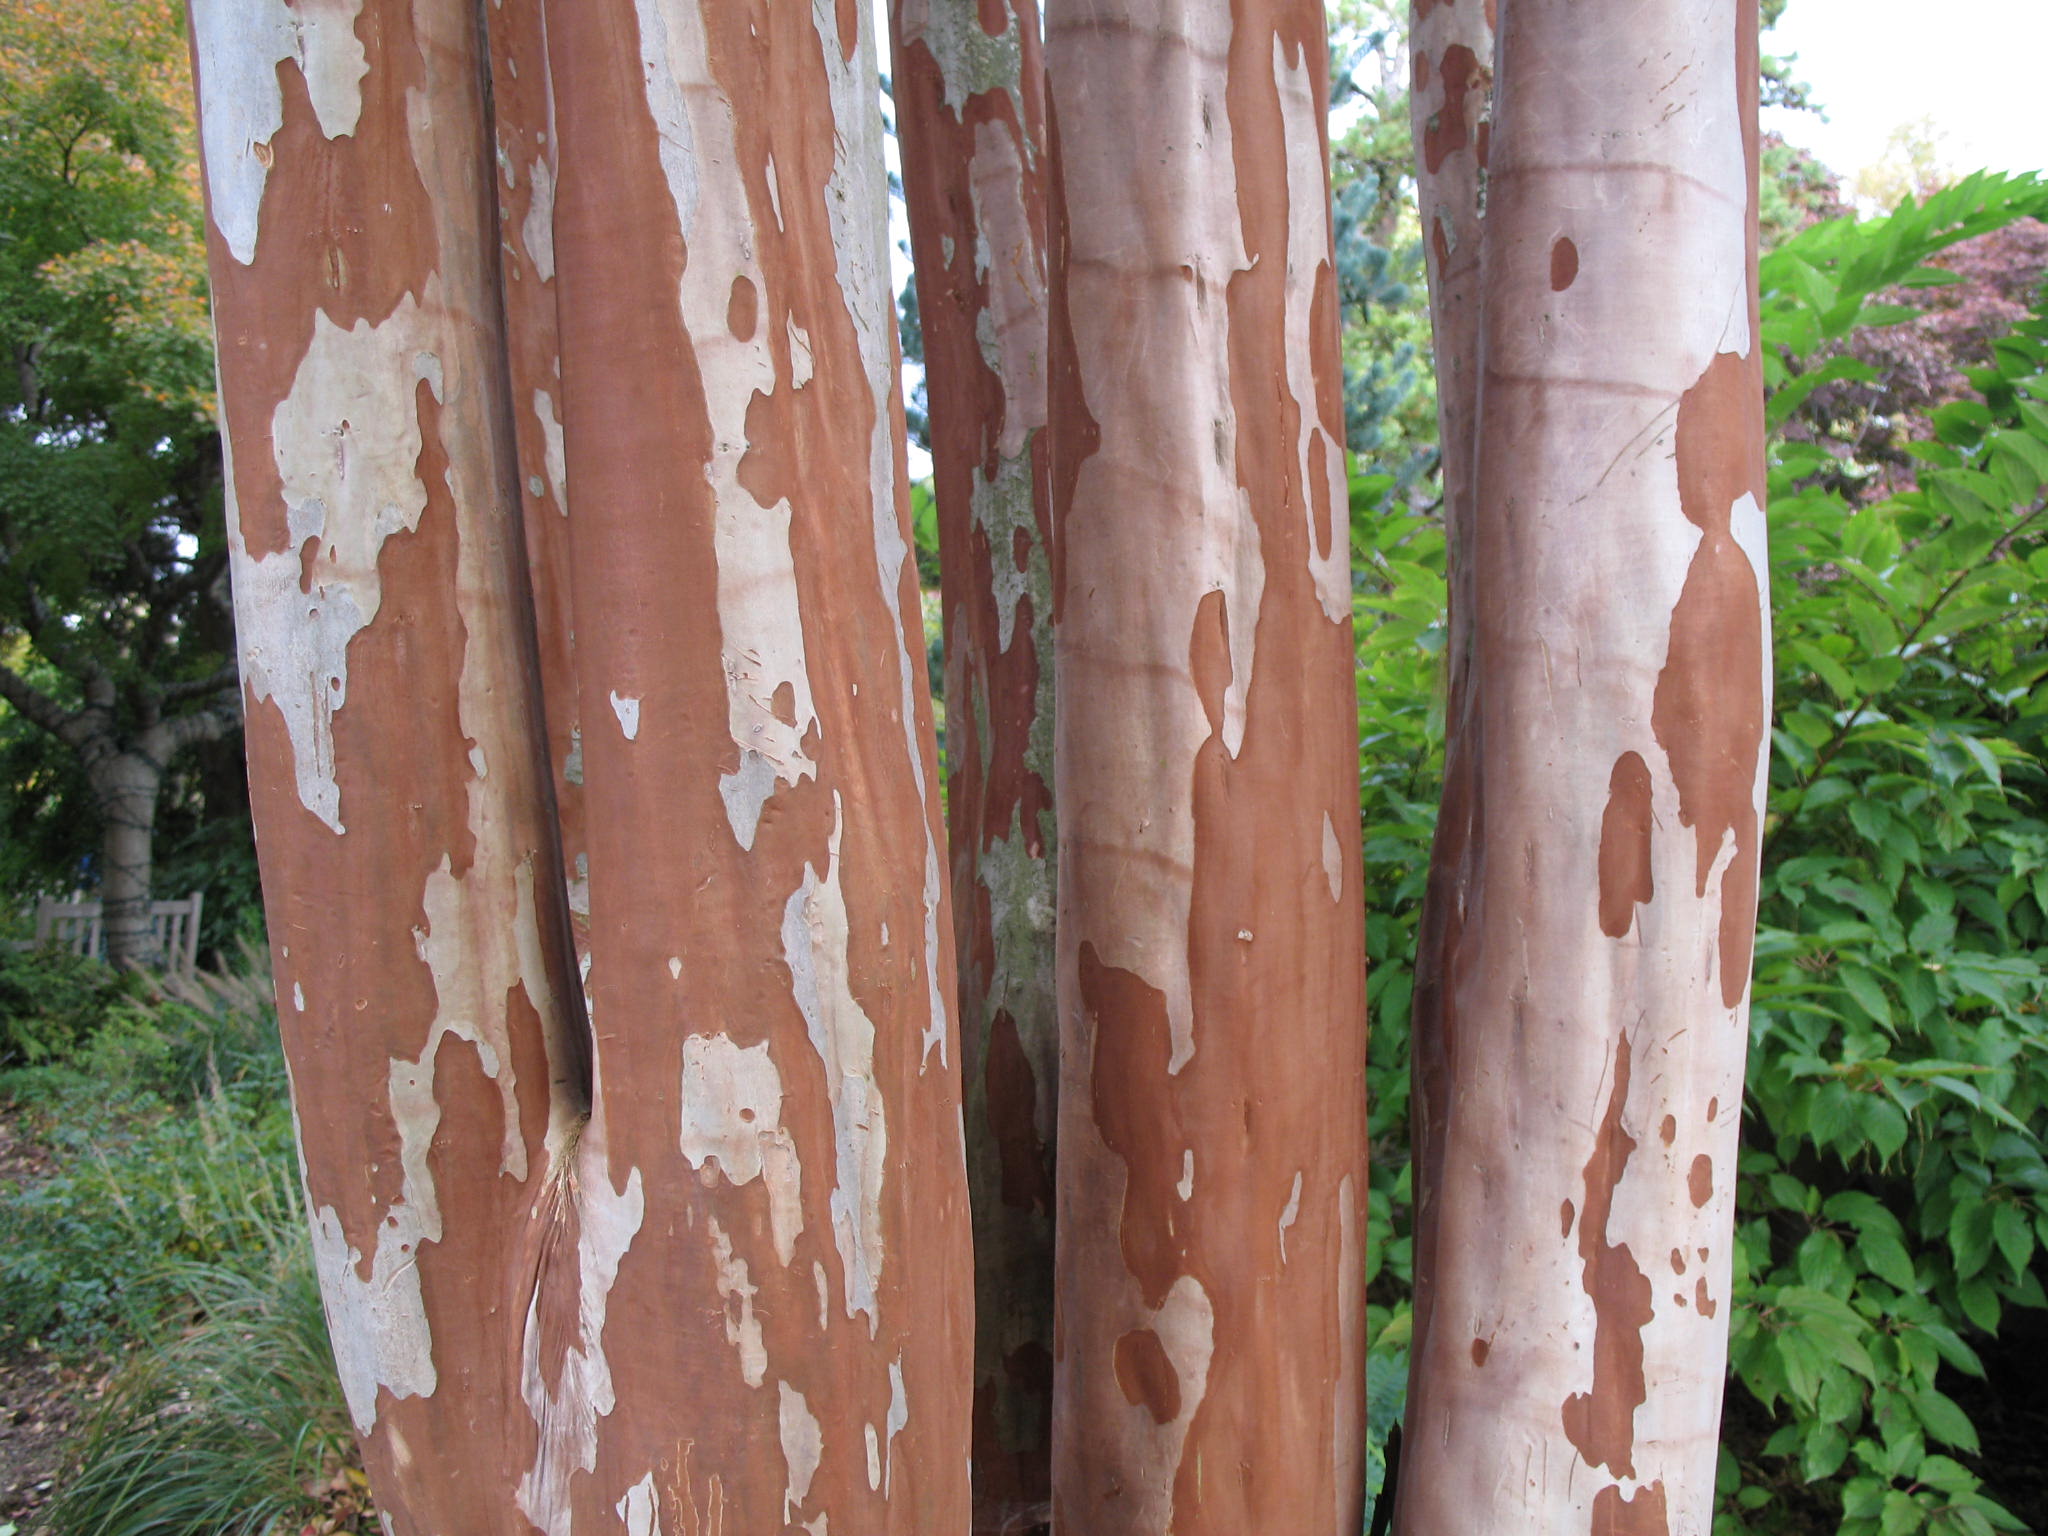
(77, 925)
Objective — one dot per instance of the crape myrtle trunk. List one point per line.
(1583, 981)
(1208, 1371)
(970, 109)
(693, 1258)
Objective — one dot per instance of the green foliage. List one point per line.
(1389, 394)
(174, 1140)
(234, 1428)
(51, 1001)
(113, 594)
(1892, 1198)
(1386, 1395)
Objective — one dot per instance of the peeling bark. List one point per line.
(1209, 1374)
(700, 1263)
(1583, 1014)
(969, 97)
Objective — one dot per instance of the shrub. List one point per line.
(174, 1141)
(51, 1001)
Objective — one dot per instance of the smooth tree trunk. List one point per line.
(970, 106)
(1209, 1373)
(125, 787)
(126, 775)
(699, 1262)
(1578, 1125)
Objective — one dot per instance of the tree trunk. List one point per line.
(1578, 1127)
(971, 115)
(701, 1264)
(1451, 43)
(124, 787)
(1212, 1141)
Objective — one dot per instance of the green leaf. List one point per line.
(1901, 1515)
(1945, 1421)
(1827, 1447)
(1969, 1236)
(2015, 1239)
(1883, 1122)
(1868, 993)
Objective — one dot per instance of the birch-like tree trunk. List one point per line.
(970, 109)
(1581, 1092)
(699, 1262)
(1209, 1375)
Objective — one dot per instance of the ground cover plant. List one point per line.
(163, 1259)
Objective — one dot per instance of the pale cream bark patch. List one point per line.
(1185, 1323)
(857, 211)
(737, 1291)
(1333, 859)
(815, 938)
(553, 455)
(1319, 444)
(378, 1325)
(239, 44)
(567, 1417)
(346, 441)
(732, 1115)
(640, 1509)
(1289, 1214)
(803, 1447)
(760, 619)
(537, 229)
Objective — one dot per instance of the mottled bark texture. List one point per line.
(970, 111)
(1579, 1070)
(1209, 1371)
(696, 1263)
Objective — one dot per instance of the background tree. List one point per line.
(113, 584)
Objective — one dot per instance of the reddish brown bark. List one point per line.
(1209, 1373)
(717, 1278)
(528, 166)
(971, 116)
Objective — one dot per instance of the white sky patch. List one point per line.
(1877, 64)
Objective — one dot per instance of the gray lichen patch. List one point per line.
(970, 61)
(1003, 508)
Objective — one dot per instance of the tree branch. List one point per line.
(221, 719)
(198, 687)
(38, 707)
